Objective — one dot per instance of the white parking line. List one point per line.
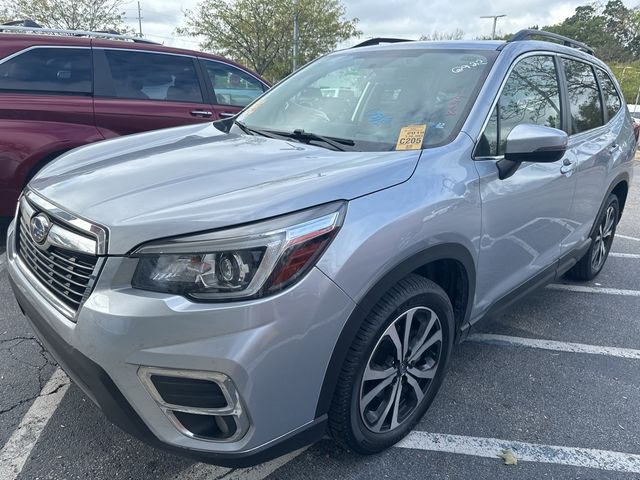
(585, 289)
(527, 452)
(626, 237)
(200, 471)
(15, 452)
(506, 340)
(624, 255)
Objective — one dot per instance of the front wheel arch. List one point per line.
(417, 263)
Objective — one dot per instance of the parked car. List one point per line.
(236, 290)
(58, 92)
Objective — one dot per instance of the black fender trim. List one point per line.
(445, 251)
(623, 177)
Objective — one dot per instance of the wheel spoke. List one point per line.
(407, 330)
(416, 388)
(426, 374)
(393, 335)
(373, 374)
(435, 338)
(396, 407)
(425, 333)
(385, 413)
(608, 225)
(375, 391)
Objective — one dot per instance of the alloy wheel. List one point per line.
(603, 240)
(401, 369)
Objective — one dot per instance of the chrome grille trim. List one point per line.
(65, 264)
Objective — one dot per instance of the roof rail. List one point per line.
(569, 42)
(7, 27)
(379, 40)
(27, 22)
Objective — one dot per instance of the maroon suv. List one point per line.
(59, 92)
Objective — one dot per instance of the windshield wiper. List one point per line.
(336, 143)
(298, 135)
(257, 131)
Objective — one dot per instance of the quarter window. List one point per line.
(583, 95)
(611, 97)
(153, 76)
(530, 95)
(48, 70)
(232, 86)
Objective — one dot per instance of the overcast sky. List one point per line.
(384, 18)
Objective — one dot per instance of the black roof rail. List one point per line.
(27, 22)
(528, 34)
(379, 40)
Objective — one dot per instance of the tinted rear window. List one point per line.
(48, 70)
(611, 98)
(153, 76)
(584, 96)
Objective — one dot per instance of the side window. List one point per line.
(232, 86)
(153, 76)
(48, 70)
(530, 95)
(583, 95)
(611, 97)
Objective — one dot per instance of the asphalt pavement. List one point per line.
(564, 413)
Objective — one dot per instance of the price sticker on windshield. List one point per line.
(411, 137)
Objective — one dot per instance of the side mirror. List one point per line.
(532, 143)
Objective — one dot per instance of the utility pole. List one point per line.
(296, 35)
(139, 20)
(495, 21)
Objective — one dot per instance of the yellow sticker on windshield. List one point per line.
(411, 137)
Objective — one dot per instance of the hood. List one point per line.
(195, 178)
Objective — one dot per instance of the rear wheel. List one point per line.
(592, 262)
(394, 368)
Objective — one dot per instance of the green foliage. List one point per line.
(90, 15)
(259, 33)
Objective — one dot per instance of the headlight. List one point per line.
(243, 262)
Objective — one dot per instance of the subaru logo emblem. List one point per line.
(40, 226)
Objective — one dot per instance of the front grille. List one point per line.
(66, 274)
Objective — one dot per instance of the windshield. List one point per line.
(378, 100)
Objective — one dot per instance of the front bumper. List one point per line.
(275, 350)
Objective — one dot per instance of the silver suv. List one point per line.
(235, 290)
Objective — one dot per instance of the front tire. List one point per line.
(592, 262)
(394, 367)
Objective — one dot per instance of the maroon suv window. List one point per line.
(153, 76)
(48, 70)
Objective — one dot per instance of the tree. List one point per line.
(457, 34)
(259, 33)
(613, 30)
(90, 15)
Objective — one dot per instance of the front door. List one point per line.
(526, 217)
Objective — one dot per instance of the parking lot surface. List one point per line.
(556, 380)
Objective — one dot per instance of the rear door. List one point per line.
(136, 91)
(597, 121)
(525, 217)
(231, 89)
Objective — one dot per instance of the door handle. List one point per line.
(201, 113)
(567, 166)
(613, 148)
(227, 114)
